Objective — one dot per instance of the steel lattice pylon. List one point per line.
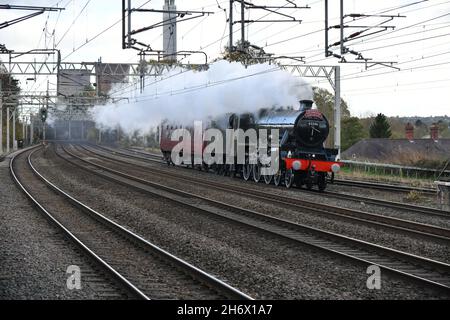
(333, 75)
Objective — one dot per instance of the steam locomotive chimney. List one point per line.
(409, 131)
(434, 132)
(305, 105)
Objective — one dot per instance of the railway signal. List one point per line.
(43, 114)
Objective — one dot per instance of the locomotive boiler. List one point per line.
(302, 157)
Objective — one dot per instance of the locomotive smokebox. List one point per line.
(305, 105)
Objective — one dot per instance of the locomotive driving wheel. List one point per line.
(289, 178)
(256, 172)
(322, 183)
(246, 170)
(268, 178)
(278, 177)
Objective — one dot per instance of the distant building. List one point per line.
(73, 82)
(401, 151)
(109, 74)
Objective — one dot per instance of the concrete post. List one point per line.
(25, 125)
(7, 129)
(31, 130)
(14, 130)
(337, 110)
(23, 128)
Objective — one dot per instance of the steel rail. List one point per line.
(416, 228)
(374, 201)
(391, 204)
(383, 186)
(136, 154)
(186, 267)
(427, 271)
(109, 269)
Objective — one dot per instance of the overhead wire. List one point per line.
(73, 22)
(394, 8)
(204, 47)
(99, 34)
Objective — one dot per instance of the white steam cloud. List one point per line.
(193, 95)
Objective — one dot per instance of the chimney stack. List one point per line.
(306, 105)
(434, 132)
(409, 131)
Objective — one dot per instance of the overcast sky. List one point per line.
(420, 44)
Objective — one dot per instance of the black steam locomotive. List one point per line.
(302, 157)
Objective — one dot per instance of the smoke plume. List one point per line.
(186, 96)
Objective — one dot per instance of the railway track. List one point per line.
(144, 153)
(383, 186)
(352, 183)
(390, 204)
(371, 219)
(144, 269)
(427, 271)
(368, 200)
(132, 153)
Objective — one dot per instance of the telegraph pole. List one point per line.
(25, 126)
(337, 110)
(7, 129)
(14, 146)
(46, 108)
(31, 130)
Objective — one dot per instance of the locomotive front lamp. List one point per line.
(335, 168)
(296, 165)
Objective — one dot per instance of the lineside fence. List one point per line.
(394, 170)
